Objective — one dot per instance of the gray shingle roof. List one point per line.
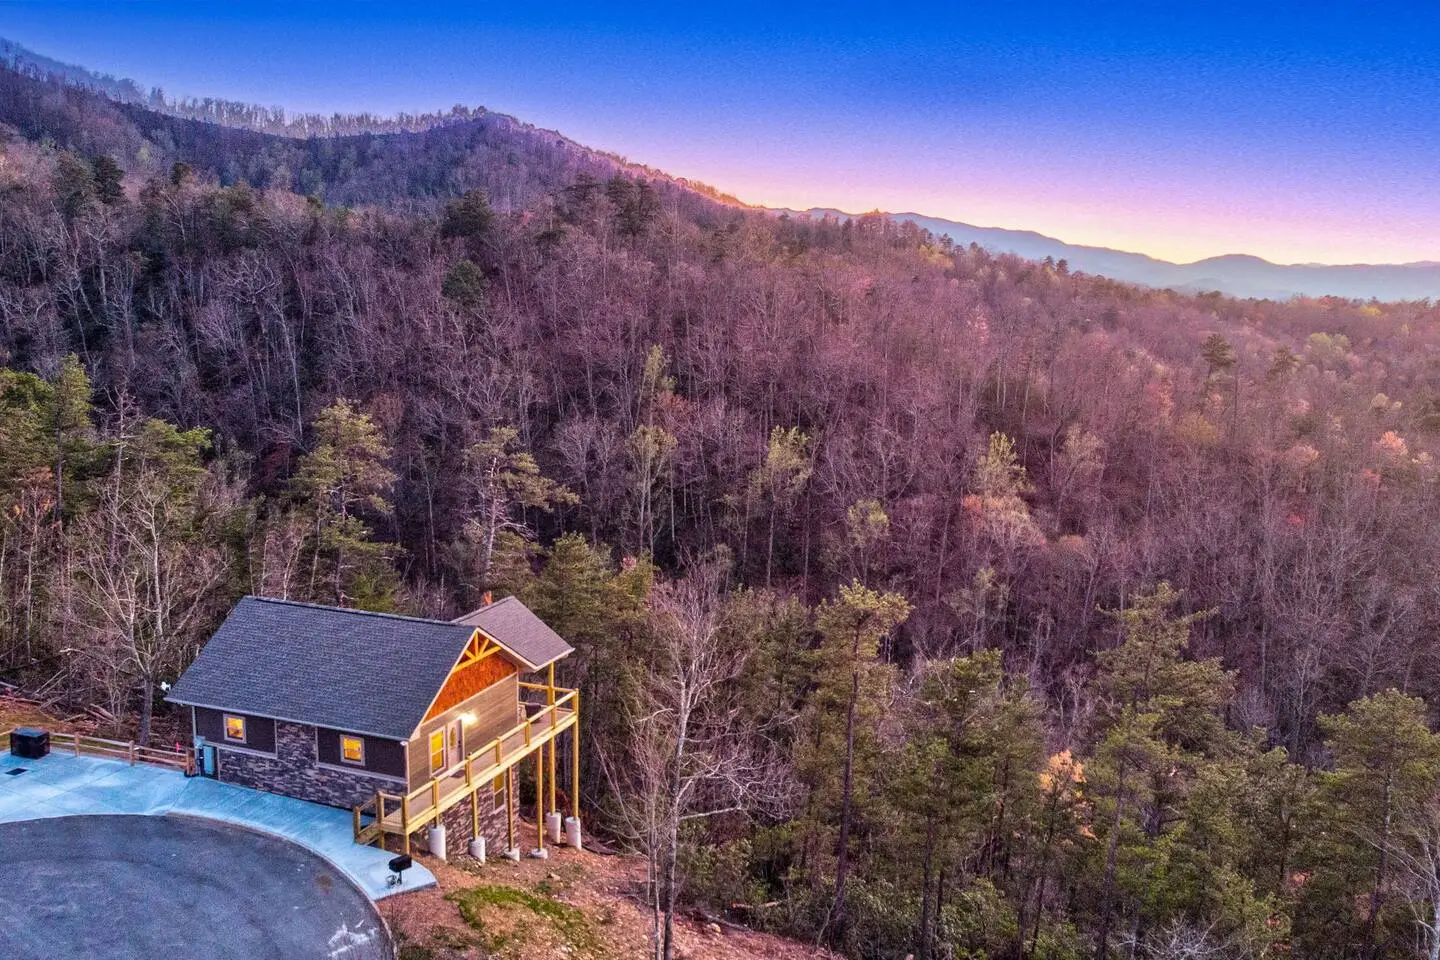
(363, 672)
(519, 631)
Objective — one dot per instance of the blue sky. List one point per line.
(1296, 132)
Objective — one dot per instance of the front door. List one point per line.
(445, 746)
(454, 753)
(437, 752)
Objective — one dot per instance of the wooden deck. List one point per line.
(402, 815)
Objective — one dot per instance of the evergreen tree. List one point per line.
(778, 482)
(965, 787)
(68, 421)
(74, 184)
(109, 180)
(842, 729)
(343, 478)
(469, 217)
(465, 284)
(505, 481)
(1158, 736)
(1386, 764)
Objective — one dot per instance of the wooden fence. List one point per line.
(129, 751)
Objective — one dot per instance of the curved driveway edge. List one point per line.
(138, 888)
(65, 786)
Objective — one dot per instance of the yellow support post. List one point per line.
(509, 813)
(474, 814)
(575, 762)
(539, 801)
(405, 821)
(554, 807)
(554, 717)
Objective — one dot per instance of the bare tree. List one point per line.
(144, 575)
(686, 757)
(1414, 849)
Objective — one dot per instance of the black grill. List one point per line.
(32, 743)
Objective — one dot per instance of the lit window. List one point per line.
(497, 791)
(234, 729)
(437, 751)
(352, 750)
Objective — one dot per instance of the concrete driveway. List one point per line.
(67, 786)
(174, 888)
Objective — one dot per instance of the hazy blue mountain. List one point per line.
(1238, 275)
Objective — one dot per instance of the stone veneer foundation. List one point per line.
(293, 772)
(492, 823)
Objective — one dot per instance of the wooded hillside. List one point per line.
(1004, 611)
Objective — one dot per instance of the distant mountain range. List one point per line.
(1238, 275)
(446, 153)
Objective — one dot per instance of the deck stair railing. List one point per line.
(403, 814)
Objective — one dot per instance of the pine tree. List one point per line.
(109, 180)
(1386, 763)
(340, 480)
(966, 784)
(843, 717)
(1158, 724)
(505, 480)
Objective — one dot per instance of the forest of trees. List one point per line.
(925, 601)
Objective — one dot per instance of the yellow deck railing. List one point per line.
(403, 814)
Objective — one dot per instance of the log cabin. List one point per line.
(408, 722)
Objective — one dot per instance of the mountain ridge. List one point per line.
(1239, 274)
(1236, 274)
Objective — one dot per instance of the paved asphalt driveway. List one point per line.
(174, 888)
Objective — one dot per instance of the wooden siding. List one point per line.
(384, 757)
(259, 731)
(469, 680)
(496, 710)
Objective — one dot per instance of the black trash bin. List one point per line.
(32, 743)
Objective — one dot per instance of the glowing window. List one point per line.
(352, 750)
(437, 751)
(497, 791)
(234, 729)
